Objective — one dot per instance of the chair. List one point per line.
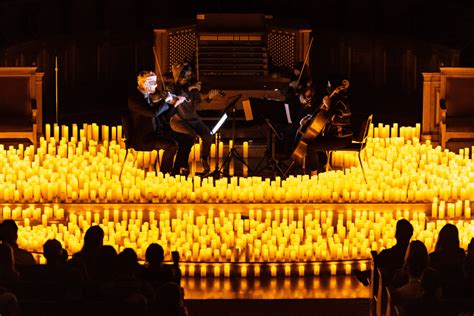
(20, 103)
(358, 143)
(456, 104)
(127, 126)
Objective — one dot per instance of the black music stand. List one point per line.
(218, 171)
(233, 153)
(271, 112)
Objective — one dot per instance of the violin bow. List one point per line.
(305, 61)
(159, 68)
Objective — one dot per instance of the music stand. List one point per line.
(217, 172)
(272, 112)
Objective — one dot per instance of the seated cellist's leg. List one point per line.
(316, 157)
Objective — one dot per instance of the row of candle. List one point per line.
(397, 171)
(280, 235)
(387, 131)
(105, 133)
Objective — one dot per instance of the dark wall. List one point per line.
(381, 46)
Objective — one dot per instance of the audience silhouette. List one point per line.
(9, 235)
(421, 284)
(448, 259)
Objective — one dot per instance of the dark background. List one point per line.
(33, 32)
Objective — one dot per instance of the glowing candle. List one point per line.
(56, 132)
(227, 270)
(243, 271)
(246, 157)
(348, 269)
(273, 271)
(301, 270)
(316, 269)
(47, 129)
(333, 268)
(217, 271)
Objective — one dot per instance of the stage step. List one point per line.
(324, 295)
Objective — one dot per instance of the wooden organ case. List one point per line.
(250, 54)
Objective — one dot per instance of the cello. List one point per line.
(313, 125)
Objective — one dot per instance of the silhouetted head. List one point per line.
(9, 231)
(128, 261)
(448, 238)
(53, 251)
(93, 238)
(154, 254)
(416, 258)
(403, 232)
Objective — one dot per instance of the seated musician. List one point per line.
(152, 131)
(336, 134)
(299, 97)
(186, 120)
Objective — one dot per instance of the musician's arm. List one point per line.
(137, 107)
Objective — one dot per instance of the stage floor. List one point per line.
(321, 287)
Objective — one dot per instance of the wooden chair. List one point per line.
(359, 142)
(21, 103)
(456, 104)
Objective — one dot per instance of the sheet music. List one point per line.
(287, 111)
(219, 124)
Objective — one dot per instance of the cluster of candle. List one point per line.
(296, 239)
(397, 171)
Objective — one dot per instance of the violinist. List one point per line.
(186, 120)
(336, 134)
(152, 131)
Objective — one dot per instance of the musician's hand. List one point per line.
(197, 86)
(305, 119)
(213, 94)
(326, 103)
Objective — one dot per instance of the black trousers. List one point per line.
(172, 143)
(193, 128)
(316, 156)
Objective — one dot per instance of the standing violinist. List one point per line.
(337, 132)
(186, 120)
(151, 129)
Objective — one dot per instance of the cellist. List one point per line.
(336, 134)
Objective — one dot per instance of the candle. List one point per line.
(227, 270)
(333, 268)
(246, 157)
(56, 133)
(47, 130)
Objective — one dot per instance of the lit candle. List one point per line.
(333, 268)
(246, 157)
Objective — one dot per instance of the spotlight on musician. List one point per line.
(151, 129)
